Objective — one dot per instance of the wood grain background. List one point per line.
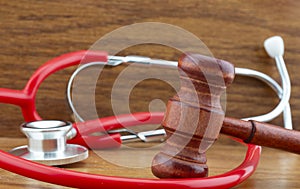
(32, 32)
(36, 31)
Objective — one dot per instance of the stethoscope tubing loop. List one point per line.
(85, 180)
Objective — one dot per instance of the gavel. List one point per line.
(194, 118)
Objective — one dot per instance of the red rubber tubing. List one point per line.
(26, 98)
(85, 180)
(117, 122)
(85, 129)
(98, 142)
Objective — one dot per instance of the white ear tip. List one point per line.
(274, 46)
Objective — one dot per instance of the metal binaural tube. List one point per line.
(286, 88)
(282, 93)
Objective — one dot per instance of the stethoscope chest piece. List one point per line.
(47, 143)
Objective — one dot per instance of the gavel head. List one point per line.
(194, 117)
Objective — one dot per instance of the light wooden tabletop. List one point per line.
(32, 32)
(277, 169)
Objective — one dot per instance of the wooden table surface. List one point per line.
(32, 32)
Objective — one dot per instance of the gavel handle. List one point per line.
(262, 134)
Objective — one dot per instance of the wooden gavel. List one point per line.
(194, 118)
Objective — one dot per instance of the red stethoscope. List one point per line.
(25, 99)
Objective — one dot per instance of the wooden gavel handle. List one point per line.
(262, 134)
(194, 118)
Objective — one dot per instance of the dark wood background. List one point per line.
(32, 32)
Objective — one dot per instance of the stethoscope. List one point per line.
(79, 134)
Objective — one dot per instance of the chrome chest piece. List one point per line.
(47, 143)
